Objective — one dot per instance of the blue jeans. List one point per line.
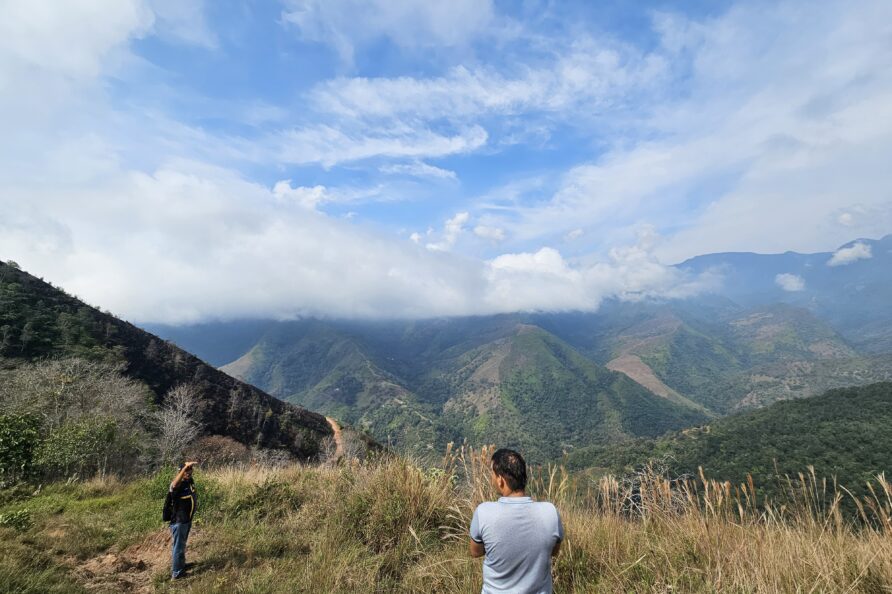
(180, 533)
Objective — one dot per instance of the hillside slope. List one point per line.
(38, 321)
(423, 384)
(842, 433)
(534, 390)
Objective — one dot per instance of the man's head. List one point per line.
(509, 471)
(187, 469)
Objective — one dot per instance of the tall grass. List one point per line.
(391, 525)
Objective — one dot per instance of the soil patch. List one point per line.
(132, 569)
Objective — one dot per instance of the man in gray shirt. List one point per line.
(519, 536)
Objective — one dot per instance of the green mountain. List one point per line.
(320, 366)
(534, 390)
(39, 321)
(489, 380)
(734, 358)
(420, 384)
(842, 433)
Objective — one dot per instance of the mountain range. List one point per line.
(779, 327)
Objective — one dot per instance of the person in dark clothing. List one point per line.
(185, 502)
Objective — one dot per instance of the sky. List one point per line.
(183, 160)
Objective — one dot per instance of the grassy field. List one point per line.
(392, 526)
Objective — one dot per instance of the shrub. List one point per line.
(218, 450)
(270, 499)
(19, 520)
(19, 437)
(82, 447)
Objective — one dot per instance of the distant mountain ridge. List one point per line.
(853, 295)
(422, 383)
(426, 383)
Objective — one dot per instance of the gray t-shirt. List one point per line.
(518, 535)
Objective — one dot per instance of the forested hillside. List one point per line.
(40, 324)
(424, 383)
(843, 433)
(500, 380)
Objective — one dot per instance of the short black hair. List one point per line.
(511, 466)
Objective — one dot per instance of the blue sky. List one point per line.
(180, 160)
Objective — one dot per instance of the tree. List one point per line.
(177, 427)
(18, 439)
(84, 412)
(66, 390)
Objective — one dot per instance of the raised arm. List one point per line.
(179, 477)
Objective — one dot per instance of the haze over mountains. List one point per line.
(780, 326)
(850, 288)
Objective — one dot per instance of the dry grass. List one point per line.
(390, 525)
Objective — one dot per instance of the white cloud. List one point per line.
(190, 242)
(846, 219)
(852, 253)
(790, 282)
(330, 146)
(491, 233)
(586, 73)
(52, 36)
(762, 135)
(578, 80)
(417, 169)
(544, 281)
(574, 234)
(301, 195)
(408, 23)
(184, 21)
(311, 197)
(452, 229)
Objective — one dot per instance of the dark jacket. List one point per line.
(185, 502)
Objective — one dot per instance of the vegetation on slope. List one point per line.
(523, 387)
(553, 399)
(843, 433)
(318, 366)
(38, 321)
(415, 384)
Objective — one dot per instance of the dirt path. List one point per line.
(134, 568)
(338, 437)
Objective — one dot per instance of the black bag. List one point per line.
(167, 512)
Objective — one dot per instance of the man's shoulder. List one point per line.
(486, 506)
(546, 507)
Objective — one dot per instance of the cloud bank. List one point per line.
(852, 253)
(534, 155)
(790, 282)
